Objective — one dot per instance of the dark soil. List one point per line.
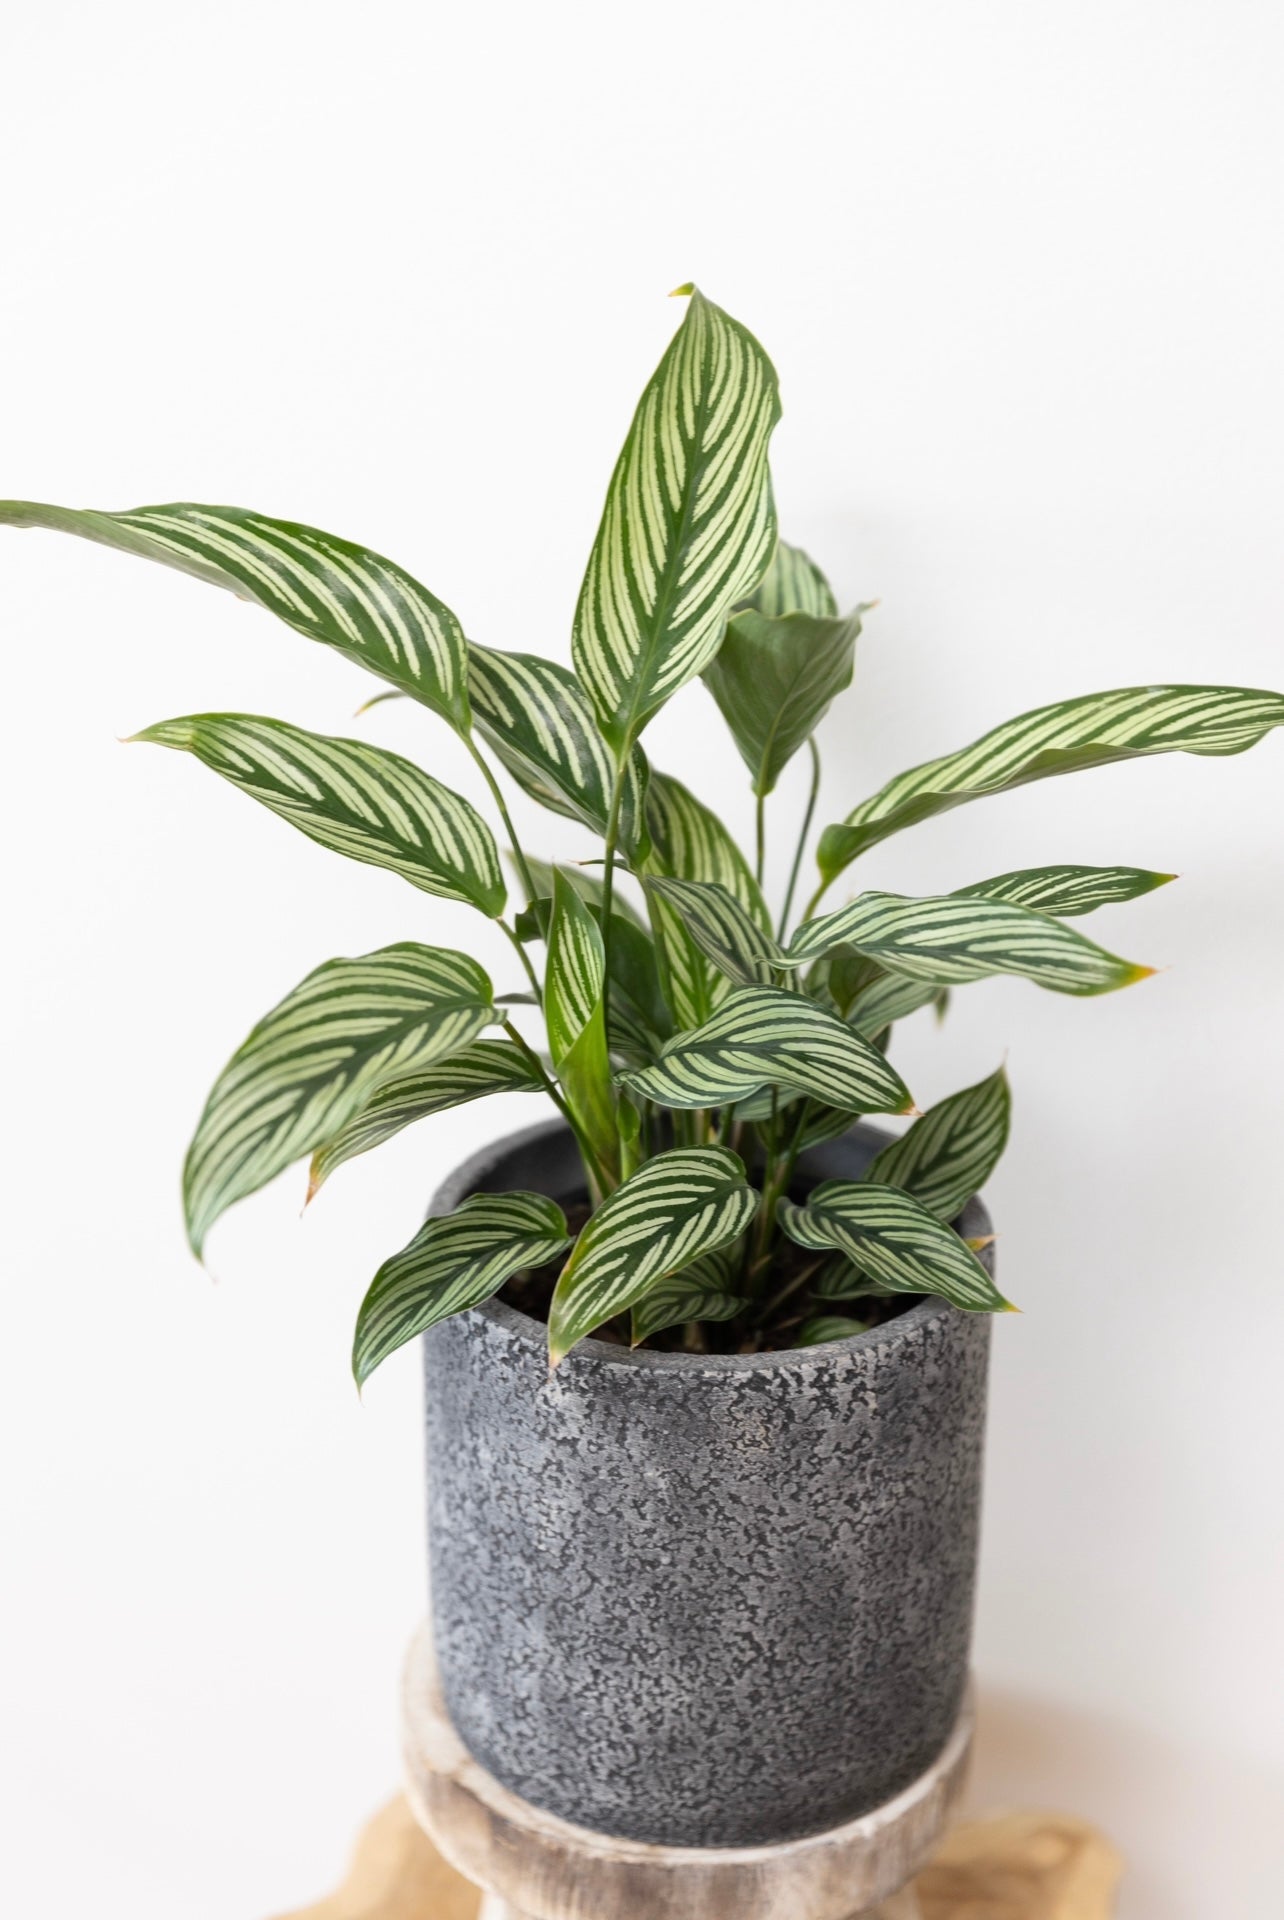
(531, 1292)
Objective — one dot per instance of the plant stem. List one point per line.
(802, 836)
(498, 797)
(592, 1165)
(787, 1292)
(760, 831)
(608, 870)
(525, 959)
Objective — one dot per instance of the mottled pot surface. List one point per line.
(702, 1600)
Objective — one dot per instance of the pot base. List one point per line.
(534, 1866)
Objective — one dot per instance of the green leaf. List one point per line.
(575, 1014)
(538, 719)
(329, 589)
(886, 1233)
(793, 583)
(723, 930)
(761, 1036)
(689, 842)
(355, 799)
(674, 1208)
(1092, 731)
(891, 998)
(638, 1017)
(1067, 890)
(675, 1302)
(949, 938)
(454, 1262)
(774, 681)
(315, 1059)
(827, 1327)
(689, 525)
(487, 1066)
(950, 1153)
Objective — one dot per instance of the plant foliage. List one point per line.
(694, 1043)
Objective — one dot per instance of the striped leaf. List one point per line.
(689, 525)
(454, 1262)
(674, 1208)
(356, 799)
(312, 1063)
(722, 929)
(487, 1066)
(891, 998)
(538, 719)
(950, 1153)
(829, 1326)
(689, 842)
(887, 1234)
(947, 938)
(793, 583)
(774, 681)
(1092, 731)
(1067, 890)
(638, 1017)
(765, 1036)
(575, 1015)
(684, 1298)
(343, 595)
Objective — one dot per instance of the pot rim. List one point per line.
(480, 1165)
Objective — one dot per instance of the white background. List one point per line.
(399, 270)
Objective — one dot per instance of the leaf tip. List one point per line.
(682, 292)
(1008, 1307)
(1135, 974)
(911, 1111)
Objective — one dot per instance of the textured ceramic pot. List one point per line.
(702, 1601)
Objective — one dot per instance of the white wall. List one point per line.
(399, 270)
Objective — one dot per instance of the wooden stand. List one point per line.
(535, 1867)
(1012, 1866)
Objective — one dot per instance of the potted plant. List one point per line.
(709, 1581)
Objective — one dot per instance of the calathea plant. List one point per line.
(695, 1047)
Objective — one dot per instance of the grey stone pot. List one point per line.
(702, 1601)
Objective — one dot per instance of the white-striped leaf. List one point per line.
(829, 1326)
(765, 1036)
(689, 525)
(887, 1234)
(329, 589)
(537, 717)
(487, 1066)
(723, 930)
(638, 1017)
(950, 1153)
(684, 1298)
(674, 1208)
(892, 997)
(575, 1014)
(689, 842)
(1092, 731)
(774, 681)
(793, 583)
(315, 1059)
(1067, 890)
(948, 938)
(454, 1262)
(356, 799)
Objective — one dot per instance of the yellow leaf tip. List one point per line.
(1009, 1308)
(680, 293)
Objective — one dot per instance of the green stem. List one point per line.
(608, 870)
(592, 1165)
(498, 797)
(524, 957)
(760, 832)
(802, 837)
